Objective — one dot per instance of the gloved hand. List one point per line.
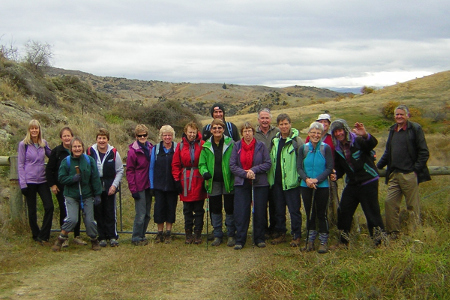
(97, 200)
(76, 178)
(136, 196)
(207, 176)
(179, 187)
(25, 191)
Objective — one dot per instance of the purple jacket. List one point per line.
(261, 164)
(137, 168)
(31, 163)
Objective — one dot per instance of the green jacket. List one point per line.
(206, 163)
(90, 181)
(290, 177)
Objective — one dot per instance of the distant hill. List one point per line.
(239, 99)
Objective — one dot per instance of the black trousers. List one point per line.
(43, 190)
(105, 215)
(193, 215)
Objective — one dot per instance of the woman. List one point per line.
(79, 174)
(110, 168)
(163, 185)
(59, 153)
(314, 164)
(31, 168)
(138, 165)
(214, 165)
(249, 163)
(189, 182)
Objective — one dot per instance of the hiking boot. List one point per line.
(102, 243)
(189, 237)
(198, 237)
(217, 241)
(79, 241)
(261, 245)
(295, 242)
(167, 237)
(59, 242)
(211, 237)
(309, 247)
(159, 238)
(238, 247)
(95, 244)
(113, 243)
(281, 238)
(323, 248)
(231, 241)
(65, 244)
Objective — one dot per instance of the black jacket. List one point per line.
(417, 150)
(54, 161)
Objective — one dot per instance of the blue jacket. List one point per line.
(315, 165)
(261, 164)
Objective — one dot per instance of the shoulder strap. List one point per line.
(157, 150)
(230, 129)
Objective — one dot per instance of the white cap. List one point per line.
(324, 117)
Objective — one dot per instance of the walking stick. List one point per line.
(253, 214)
(207, 221)
(309, 217)
(77, 169)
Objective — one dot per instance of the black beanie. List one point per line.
(220, 106)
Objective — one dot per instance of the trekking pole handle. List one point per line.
(77, 169)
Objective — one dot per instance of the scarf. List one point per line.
(247, 152)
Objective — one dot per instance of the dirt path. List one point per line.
(173, 271)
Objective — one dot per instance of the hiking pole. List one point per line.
(77, 169)
(253, 214)
(207, 221)
(309, 217)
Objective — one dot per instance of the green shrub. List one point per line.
(388, 109)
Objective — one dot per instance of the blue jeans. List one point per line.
(291, 198)
(142, 208)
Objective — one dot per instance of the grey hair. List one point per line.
(166, 129)
(316, 125)
(402, 107)
(265, 110)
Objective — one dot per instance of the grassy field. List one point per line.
(416, 266)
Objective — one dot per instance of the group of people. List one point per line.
(259, 174)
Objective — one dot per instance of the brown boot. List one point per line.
(189, 237)
(309, 247)
(95, 244)
(281, 238)
(168, 237)
(198, 237)
(59, 242)
(295, 242)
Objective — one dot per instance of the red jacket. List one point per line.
(187, 172)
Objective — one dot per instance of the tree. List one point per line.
(9, 51)
(37, 55)
(224, 86)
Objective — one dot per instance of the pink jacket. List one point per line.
(137, 168)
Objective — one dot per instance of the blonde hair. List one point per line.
(140, 128)
(166, 129)
(27, 140)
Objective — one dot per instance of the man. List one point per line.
(283, 179)
(406, 157)
(265, 132)
(218, 112)
(353, 157)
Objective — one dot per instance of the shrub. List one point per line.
(388, 109)
(367, 90)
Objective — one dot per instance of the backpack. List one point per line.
(306, 149)
(229, 127)
(157, 149)
(85, 156)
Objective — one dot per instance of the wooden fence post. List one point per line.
(16, 202)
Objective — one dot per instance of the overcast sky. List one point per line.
(274, 43)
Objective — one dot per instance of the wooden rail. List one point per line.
(17, 204)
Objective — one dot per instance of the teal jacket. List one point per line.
(290, 178)
(90, 181)
(206, 163)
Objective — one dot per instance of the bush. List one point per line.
(388, 109)
(367, 90)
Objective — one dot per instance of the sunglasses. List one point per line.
(141, 135)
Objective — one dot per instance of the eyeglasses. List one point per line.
(141, 135)
(217, 128)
